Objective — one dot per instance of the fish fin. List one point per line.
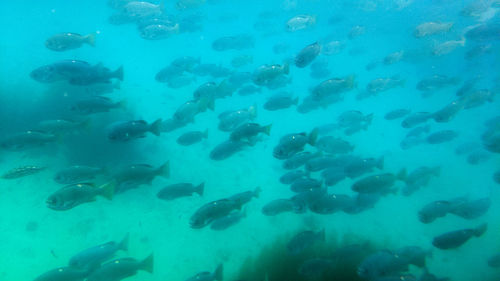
(478, 231)
(148, 264)
(205, 134)
(256, 192)
(286, 68)
(253, 111)
(116, 85)
(90, 39)
(164, 170)
(124, 243)
(267, 129)
(380, 163)
(200, 189)
(122, 104)
(108, 190)
(295, 101)
(118, 73)
(218, 273)
(313, 135)
(155, 128)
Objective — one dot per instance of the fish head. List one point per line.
(44, 74)
(56, 202)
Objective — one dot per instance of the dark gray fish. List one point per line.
(396, 114)
(64, 274)
(359, 166)
(192, 137)
(494, 261)
(26, 140)
(484, 32)
(235, 42)
(307, 198)
(305, 184)
(134, 129)
(314, 268)
(249, 131)
(208, 276)
(280, 101)
(228, 220)
(77, 173)
(75, 72)
(413, 255)
(324, 162)
(22, 171)
(159, 31)
(334, 145)
(244, 197)
(269, 74)
(416, 118)
(496, 177)
(477, 157)
(179, 190)
(134, 175)
(436, 82)
(420, 177)
(96, 104)
(471, 209)
(441, 136)
(438, 209)
(418, 131)
(188, 110)
(299, 159)
(304, 240)
(71, 196)
(363, 202)
(94, 256)
(382, 264)
(293, 143)
(230, 120)
(307, 55)
(380, 183)
(290, 177)
(238, 79)
(186, 63)
(331, 203)
(279, 206)
(122, 268)
(333, 87)
(447, 113)
(467, 148)
(67, 41)
(226, 149)
(455, 239)
(168, 72)
(333, 175)
(211, 211)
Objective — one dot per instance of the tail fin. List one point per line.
(147, 264)
(480, 229)
(257, 191)
(90, 39)
(313, 135)
(155, 128)
(295, 101)
(368, 118)
(107, 190)
(380, 163)
(121, 104)
(205, 103)
(164, 170)
(350, 81)
(200, 188)
(116, 85)
(321, 235)
(218, 273)
(402, 175)
(124, 243)
(118, 73)
(253, 111)
(205, 134)
(267, 129)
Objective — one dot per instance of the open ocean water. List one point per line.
(85, 149)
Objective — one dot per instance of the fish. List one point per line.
(300, 22)
(159, 31)
(26, 140)
(382, 263)
(380, 183)
(75, 72)
(448, 47)
(96, 104)
(307, 55)
(22, 171)
(211, 211)
(304, 184)
(435, 209)
(384, 84)
(291, 144)
(192, 137)
(226, 149)
(432, 28)
(455, 239)
(266, 74)
(178, 190)
(230, 120)
(359, 166)
(61, 126)
(356, 31)
(208, 276)
(331, 203)
(78, 173)
(233, 42)
(279, 206)
(436, 82)
(65, 273)
(249, 90)
(333, 87)
(94, 256)
(393, 58)
(420, 177)
(73, 195)
(125, 131)
(134, 175)
(471, 209)
(396, 114)
(448, 112)
(299, 159)
(441, 136)
(244, 197)
(334, 145)
(290, 177)
(496, 177)
(494, 261)
(416, 118)
(303, 240)
(67, 41)
(141, 9)
(187, 111)
(249, 131)
(280, 101)
(122, 268)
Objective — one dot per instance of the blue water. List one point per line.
(162, 227)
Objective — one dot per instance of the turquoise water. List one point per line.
(36, 239)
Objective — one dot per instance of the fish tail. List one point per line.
(116, 85)
(218, 273)
(90, 39)
(380, 163)
(286, 68)
(257, 191)
(313, 135)
(253, 111)
(200, 189)
(164, 170)
(480, 230)
(267, 129)
(148, 264)
(124, 243)
(107, 190)
(205, 134)
(155, 128)
(122, 104)
(295, 101)
(402, 175)
(118, 73)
